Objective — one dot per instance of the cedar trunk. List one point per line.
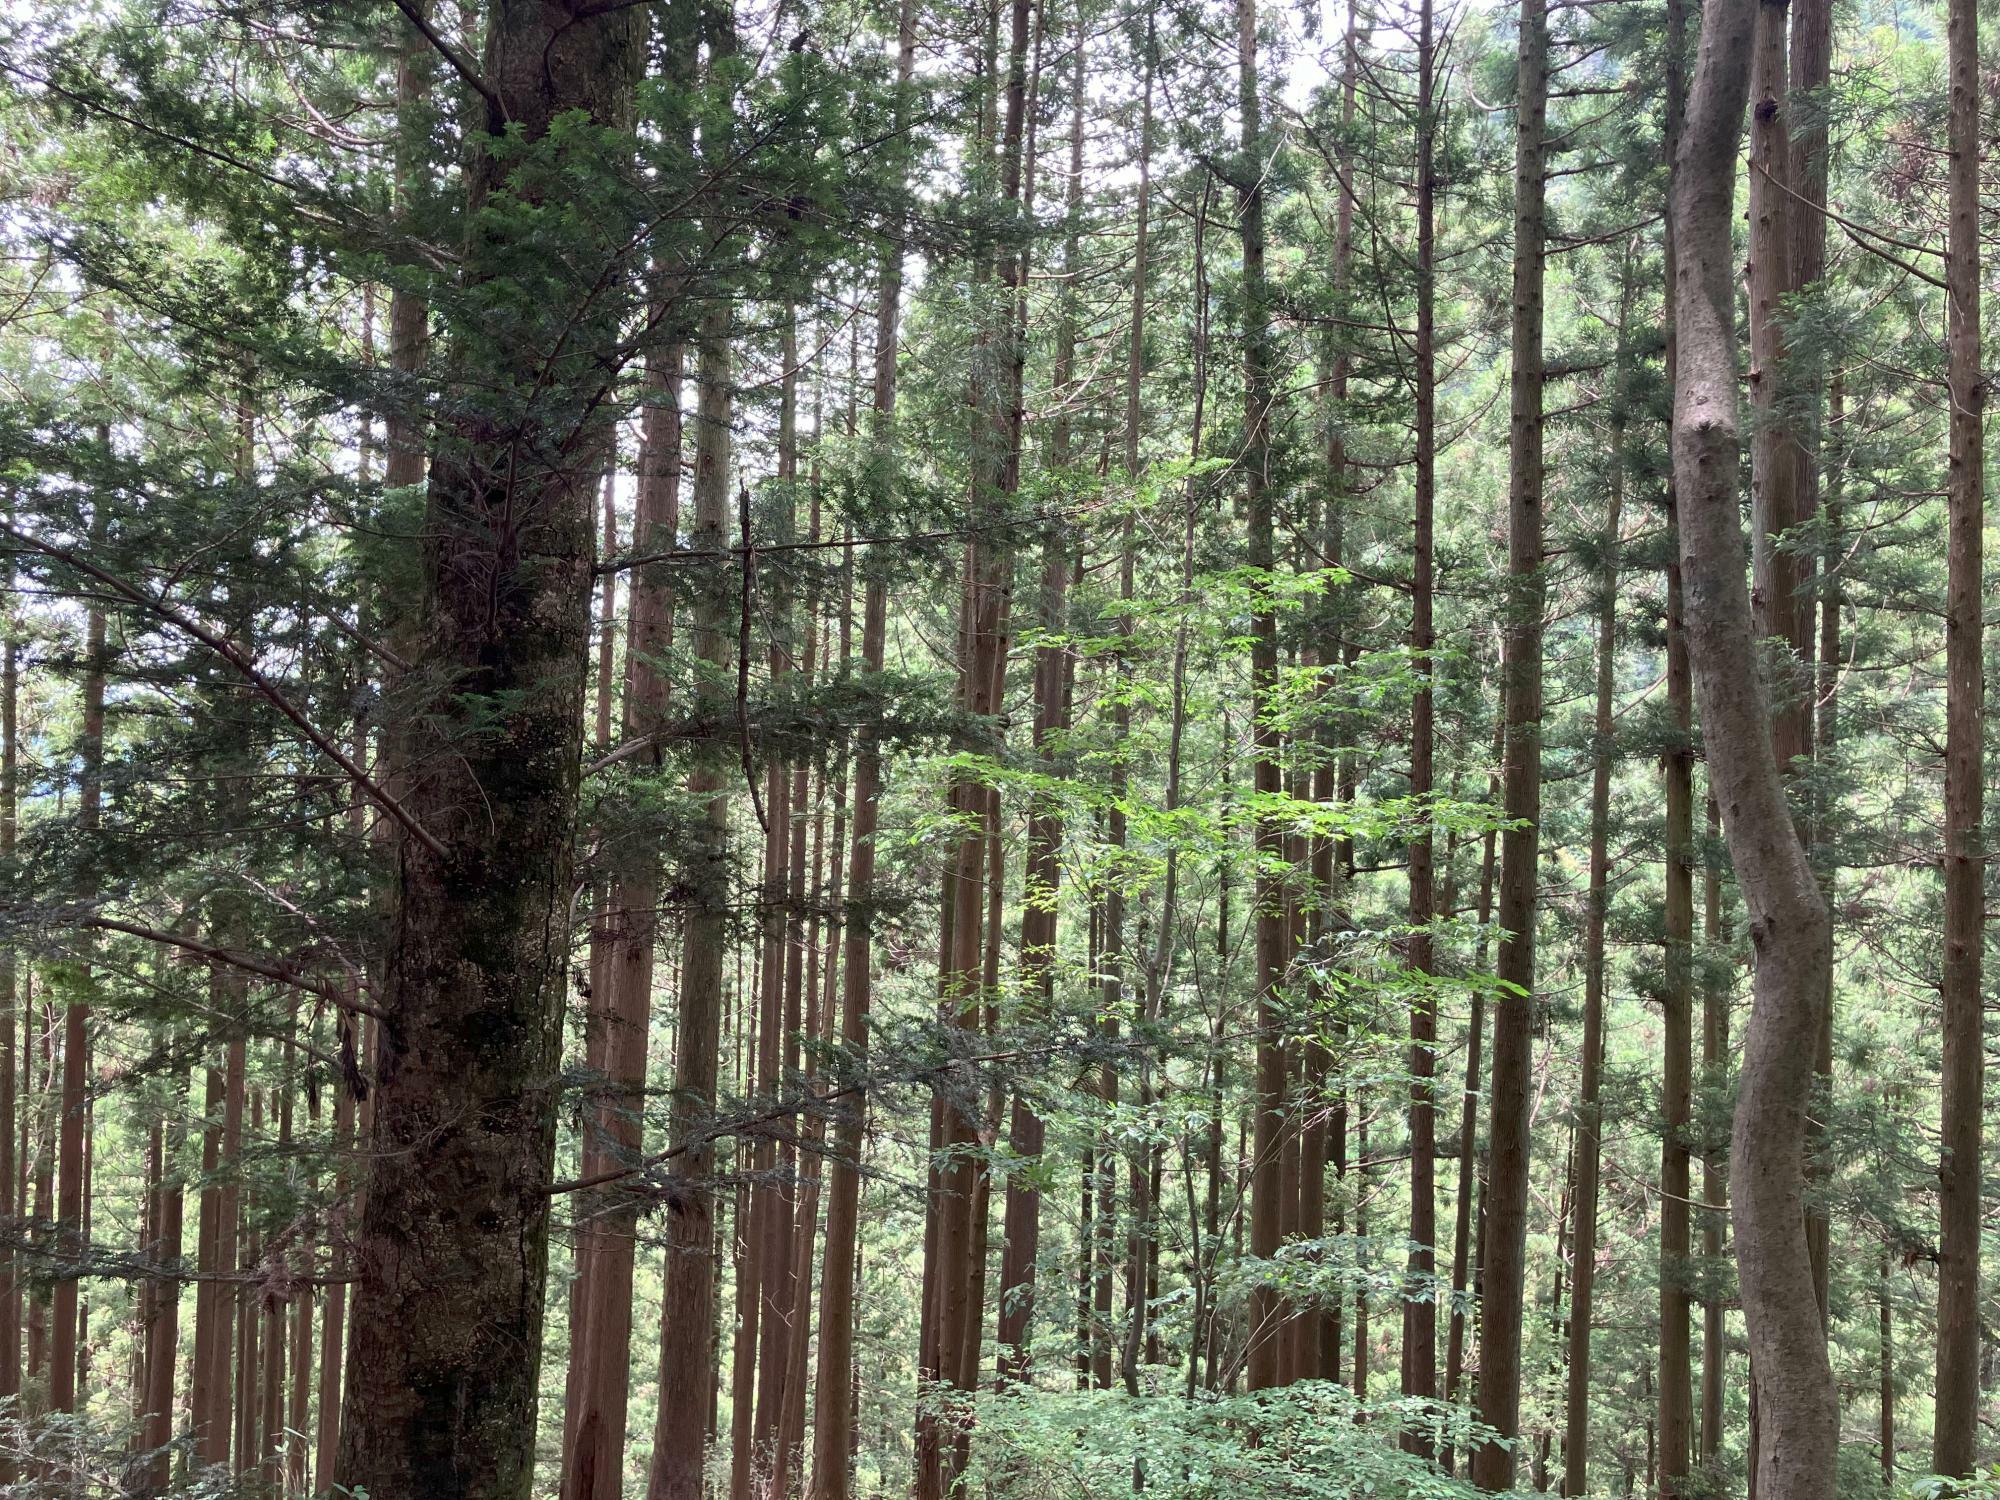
(453, 1245)
(1503, 1259)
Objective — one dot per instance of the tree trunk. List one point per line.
(1027, 1133)
(1955, 1443)
(72, 1223)
(1714, 1168)
(956, 1199)
(1503, 1260)
(1267, 1183)
(833, 1410)
(447, 1322)
(1419, 1356)
(688, 1367)
(1797, 1405)
(11, 1110)
(1589, 1143)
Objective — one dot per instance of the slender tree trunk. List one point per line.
(1675, 1407)
(1798, 1409)
(11, 1111)
(1714, 1166)
(72, 1223)
(163, 1320)
(1503, 1260)
(1043, 873)
(956, 1197)
(1955, 1442)
(1588, 1146)
(333, 1319)
(1267, 1183)
(1419, 1354)
(1468, 1230)
(1885, 1378)
(833, 1413)
(688, 1368)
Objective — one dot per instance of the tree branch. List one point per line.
(274, 972)
(230, 652)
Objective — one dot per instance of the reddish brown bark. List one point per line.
(1503, 1260)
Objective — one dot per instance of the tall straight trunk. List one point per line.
(1267, 1181)
(1362, 1178)
(249, 1326)
(163, 1321)
(793, 1223)
(1714, 1168)
(687, 1310)
(72, 1223)
(1885, 1377)
(1468, 1227)
(443, 1378)
(43, 1189)
(597, 1421)
(1419, 1357)
(1811, 69)
(1797, 1401)
(1042, 875)
(1139, 1195)
(834, 1429)
(11, 1206)
(208, 1394)
(1955, 1442)
(1504, 1256)
(1588, 1144)
(268, 1457)
(1674, 1412)
(587, 1238)
(333, 1317)
(953, 1310)
(1810, 62)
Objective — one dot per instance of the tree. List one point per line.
(1797, 1408)
(450, 1289)
(1502, 1258)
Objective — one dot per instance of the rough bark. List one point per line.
(452, 1255)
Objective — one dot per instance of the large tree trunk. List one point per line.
(1504, 1257)
(1797, 1406)
(1956, 1439)
(452, 1259)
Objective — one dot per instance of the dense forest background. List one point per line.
(1020, 747)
